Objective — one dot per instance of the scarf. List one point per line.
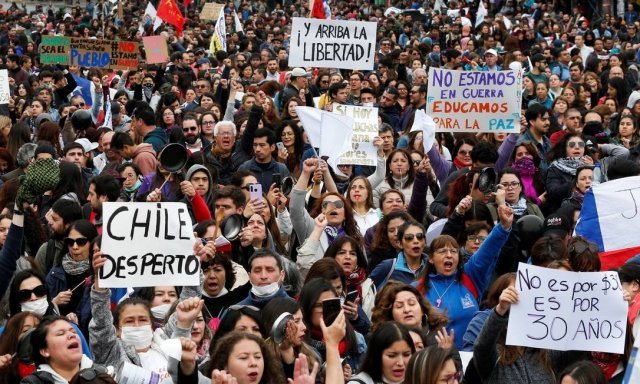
(73, 267)
(519, 207)
(568, 164)
(459, 164)
(355, 279)
(333, 233)
(317, 341)
(577, 196)
(525, 166)
(608, 362)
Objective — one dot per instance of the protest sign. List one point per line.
(219, 38)
(54, 50)
(608, 211)
(365, 129)
(148, 244)
(332, 43)
(5, 92)
(336, 134)
(561, 310)
(211, 11)
(475, 101)
(156, 49)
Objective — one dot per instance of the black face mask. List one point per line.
(592, 128)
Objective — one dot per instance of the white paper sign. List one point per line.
(332, 44)
(365, 129)
(474, 101)
(581, 311)
(148, 244)
(5, 93)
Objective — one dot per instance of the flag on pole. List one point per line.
(334, 129)
(169, 12)
(219, 38)
(238, 24)
(482, 12)
(317, 9)
(423, 122)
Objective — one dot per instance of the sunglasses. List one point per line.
(580, 247)
(573, 144)
(79, 105)
(25, 294)
(147, 85)
(236, 307)
(81, 241)
(187, 129)
(201, 86)
(411, 236)
(338, 204)
(416, 162)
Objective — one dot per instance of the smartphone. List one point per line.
(330, 310)
(352, 296)
(280, 145)
(255, 191)
(277, 180)
(225, 72)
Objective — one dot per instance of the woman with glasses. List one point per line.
(434, 365)
(333, 217)
(167, 119)
(565, 158)
(408, 265)
(496, 362)
(70, 283)
(457, 287)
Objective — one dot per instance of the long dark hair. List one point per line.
(19, 134)
(383, 337)
(14, 303)
(350, 225)
(337, 244)
(381, 239)
(559, 150)
(411, 173)
(70, 181)
(367, 185)
(309, 295)
(293, 160)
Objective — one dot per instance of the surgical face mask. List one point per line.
(160, 311)
(367, 104)
(38, 307)
(139, 337)
(266, 290)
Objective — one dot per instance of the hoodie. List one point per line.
(157, 138)
(145, 158)
(57, 379)
(208, 198)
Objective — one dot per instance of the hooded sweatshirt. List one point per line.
(208, 198)
(157, 138)
(145, 158)
(84, 363)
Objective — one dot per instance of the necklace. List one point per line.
(439, 300)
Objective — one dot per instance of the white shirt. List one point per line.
(367, 220)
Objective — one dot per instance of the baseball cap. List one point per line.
(299, 72)
(491, 52)
(556, 224)
(87, 145)
(115, 109)
(203, 60)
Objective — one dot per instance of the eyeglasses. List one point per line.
(384, 44)
(25, 294)
(416, 162)
(338, 204)
(147, 85)
(573, 144)
(201, 86)
(476, 238)
(411, 236)
(450, 379)
(79, 105)
(81, 241)
(189, 129)
(580, 247)
(513, 184)
(210, 122)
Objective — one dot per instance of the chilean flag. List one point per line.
(610, 217)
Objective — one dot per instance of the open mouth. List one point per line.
(398, 372)
(333, 213)
(253, 376)
(74, 346)
(416, 249)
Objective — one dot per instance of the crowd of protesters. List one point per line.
(73, 138)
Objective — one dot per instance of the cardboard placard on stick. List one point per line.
(156, 49)
(211, 11)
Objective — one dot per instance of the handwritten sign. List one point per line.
(365, 129)
(148, 244)
(211, 11)
(562, 310)
(54, 50)
(5, 92)
(474, 101)
(332, 43)
(89, 52)
(156, 49)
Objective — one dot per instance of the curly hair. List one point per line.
(272, 373)
(382, 311)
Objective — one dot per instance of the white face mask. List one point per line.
(367, 104)
(139, 337)
(266, 290)
(160, 311)
(38, 307)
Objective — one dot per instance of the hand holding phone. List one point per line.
(330, 310)
(255, 191)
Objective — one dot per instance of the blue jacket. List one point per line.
(57, 282)
(401, 271)
(9, 256)
(473, 330)
(261, 302)
(458, 301)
